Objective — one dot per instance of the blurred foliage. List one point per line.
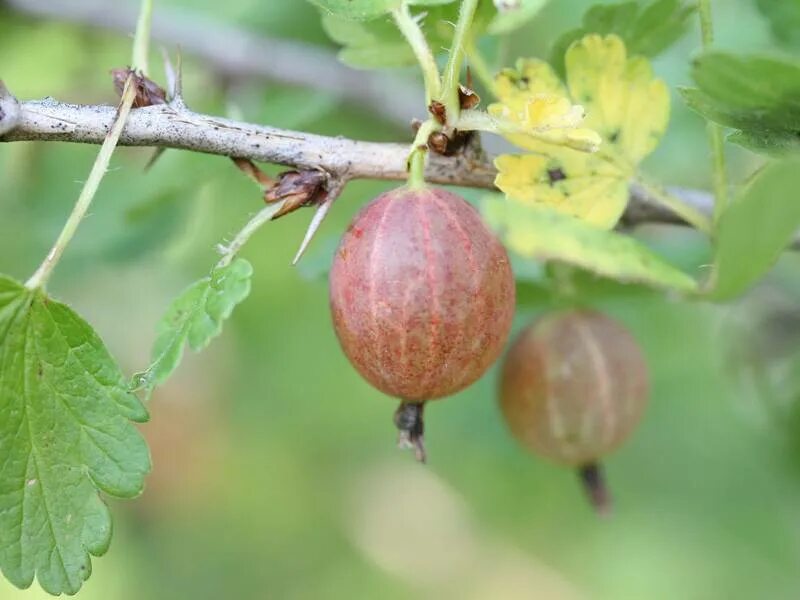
(755, 95)
(752, 233)
(627, 112)
(784, 15)
(275, 472)
(646, 30)
(542, 233)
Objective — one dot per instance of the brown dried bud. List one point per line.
(448, 145)
(438, 142)
(467, 98)
(438, 111)
(297, 189)
(148, 92)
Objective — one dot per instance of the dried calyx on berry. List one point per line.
(422, 297)
(573, 387)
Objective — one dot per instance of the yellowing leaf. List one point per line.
(626, 112)
(534, 106)
(530, 77)
(541, 233)
(545, 118)
(568, 181)
(623, 102)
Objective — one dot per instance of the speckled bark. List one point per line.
(574, 385)
(422, 294)
(170, 126)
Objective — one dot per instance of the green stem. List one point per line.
(480, 67)
(452, 70)
(42, 274)
(688, 213)
(706, 23)
(562, 282)
(263, 216)
(419, 150)
(411, 30)
(141, 41)
(100, 167)
(714, 131)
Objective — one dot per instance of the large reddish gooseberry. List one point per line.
(422, 297)
(573, 387)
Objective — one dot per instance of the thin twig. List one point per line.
(263, 216)
(687, 213)
(172, 127)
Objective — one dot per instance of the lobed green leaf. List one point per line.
(369, 41)
(757, 226)
(195, 317)
(369, 45)
(364, 10)
(759, 96)
(646, 31)
(65, 434)
(509, 20)
(541, 233)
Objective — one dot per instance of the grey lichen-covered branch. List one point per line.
(174, 126)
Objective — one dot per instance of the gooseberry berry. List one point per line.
(422, 297)
(573, 387)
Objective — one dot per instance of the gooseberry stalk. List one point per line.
(99, 169)
(411, 30)
(101, 163)
(419, 151)
(452, 71)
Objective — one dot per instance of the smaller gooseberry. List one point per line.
(573, 387)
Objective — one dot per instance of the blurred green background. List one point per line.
(276, 474)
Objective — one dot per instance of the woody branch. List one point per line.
(175, 126)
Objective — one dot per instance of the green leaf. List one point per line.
(757, 95)
(357, 10)
(363, 10)
(430, 2)
(646, 31)
(541, 233)
(755, 229)
(65, 433)
(379, 44)
(195, 317)
(369, 45)
(371, 42)
(506, 21)
(784, 16)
